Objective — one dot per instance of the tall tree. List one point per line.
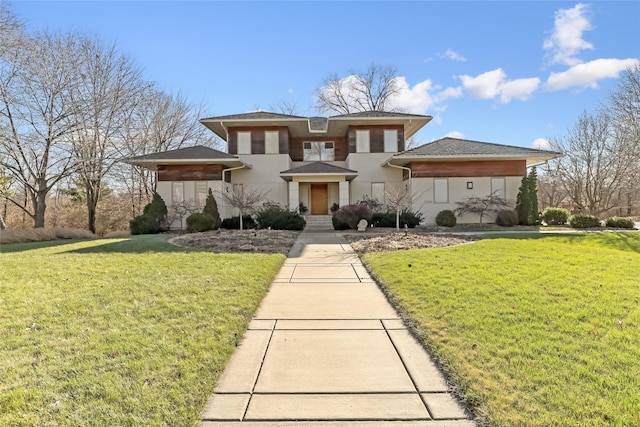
(527, 199)
(35, 116)
(366, 90)
(109, 86)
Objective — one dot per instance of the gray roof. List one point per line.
(377, 114)
(255, 115)
(319, 168)
(448, 147)
(188, 153)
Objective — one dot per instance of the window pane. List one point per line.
(362, 141)
(177, 193)
(201, 193)
(318, 151)
(441, 191)
(377, 191)
(497, 187)
(390, 141)
(244, 142)
(271, 142)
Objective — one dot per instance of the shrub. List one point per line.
(233, 223)
(144, 224)
(555, 216)
(388, 219)
(153, 218)
(277, 217)
(584, 221)
(337, 225)
(211, 208)
(446, 218)
(619, 222)
(200, 221)
(507, 218)
(351, 215)
(334, 207)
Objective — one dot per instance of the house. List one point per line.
(320, 161)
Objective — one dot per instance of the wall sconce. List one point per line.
(469, 185)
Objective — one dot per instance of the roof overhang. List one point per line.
(317, 177)
(401, 160)
(297, 126)
(152, 164)
(412, 124)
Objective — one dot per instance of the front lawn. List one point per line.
(535, 331)
(125, 332)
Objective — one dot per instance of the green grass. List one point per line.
(124, 332)
(538, 331)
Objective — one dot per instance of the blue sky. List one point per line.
(511, 72)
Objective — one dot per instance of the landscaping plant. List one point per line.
(619, 222)
(527, 199)
(276, 217)
(153, 218)
(211, 208)
(555, 216)
(584, 221)
(446, 218)
(507, 218)
(199, 222)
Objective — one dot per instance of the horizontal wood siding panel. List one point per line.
(190, 172)
(472, 168)
(257, 138)
(376, 137)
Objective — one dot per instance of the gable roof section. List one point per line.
(198, 154)
(314, 126)
(318, 168)
(463, 149)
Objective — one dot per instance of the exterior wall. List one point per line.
(339, 146)
(370, 170)
(190, 172)
(178, 217)
(458, 191)
(258, 138)
(264, 175)
(376, 137)
(468, 168)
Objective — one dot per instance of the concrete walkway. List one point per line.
(326, 349)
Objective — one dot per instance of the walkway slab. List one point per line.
(325, 301)
(337, 407)
(326, 348)
(335, 361)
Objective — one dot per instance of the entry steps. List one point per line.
(318, 223)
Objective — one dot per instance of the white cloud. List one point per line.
(422, 97)
(566, 41)
(542, 144)
(589, 73)
(452, 55)
(454, 134)
(494, 83)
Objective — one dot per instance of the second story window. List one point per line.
(390, 140)
(362, 141)
(244, 142)
(318, 151)
(271, 142)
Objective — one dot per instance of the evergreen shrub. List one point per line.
(277, 217)
(619, 222)
(555, 216)
(233, 223)
(446, 218)
(200, 221)
(584, 221)
(507, 218)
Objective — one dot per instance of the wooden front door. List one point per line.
(319, 199)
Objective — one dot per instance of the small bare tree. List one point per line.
(399, 197)
(367, 90)
(246, 201)
(481, 205)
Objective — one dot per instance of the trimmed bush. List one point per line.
(233, 223)
(144, 224)
(211, 208)
(507, 218)
(337, 225)
(277, 217)
(200, 221)
(351, 216)
(619, 222)
(153, 218)
(555, 216)
(446, 218)
(584, 221)
(388, 219)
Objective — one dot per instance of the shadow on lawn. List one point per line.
(133, 244)
(623, 241)
(7, 248)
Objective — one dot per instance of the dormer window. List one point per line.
(318, 151)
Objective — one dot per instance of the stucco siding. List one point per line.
(370, 170)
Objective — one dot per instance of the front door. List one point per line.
(319, 199)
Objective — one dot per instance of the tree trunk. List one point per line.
(93, 193)
(40, 208)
